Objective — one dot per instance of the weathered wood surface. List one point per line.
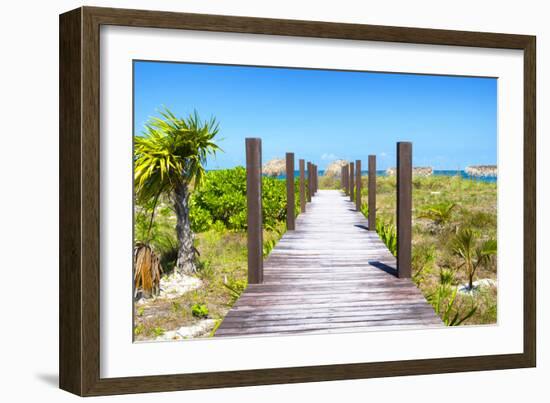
(329, 275)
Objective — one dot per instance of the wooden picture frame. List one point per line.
(79, 347)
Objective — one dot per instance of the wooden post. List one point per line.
(351, 181)
(347, 179)
(315, 179)
(358, 185)
(290, 218)
(309, 181)
(342, 185)
(404, 209)
(302, 186)
(254, 210)
(372, 193)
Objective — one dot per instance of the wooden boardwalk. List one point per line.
(329, 275)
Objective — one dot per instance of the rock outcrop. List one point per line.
(417, 171)
(482, 170)
(275, 167)
(334, 169)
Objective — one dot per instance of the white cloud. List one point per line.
(329, 156)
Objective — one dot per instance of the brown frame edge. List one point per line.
(79, 200)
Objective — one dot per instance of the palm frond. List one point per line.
(172, 151)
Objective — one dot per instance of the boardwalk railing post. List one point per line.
(372, 193)
(316, 178)
(342, 186)
(347, 179)
(309, 182)
(254, 209)
(346, 176)
(358, 185)
(351, 181)
(404, 209)
(290, 217)
(312, 179)
(302, 186)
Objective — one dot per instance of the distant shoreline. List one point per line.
(436, 172)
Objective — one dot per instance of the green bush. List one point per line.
(222, 198)
(201, 219)
(388, 234)
(199, 310)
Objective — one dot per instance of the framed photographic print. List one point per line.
(249, 201)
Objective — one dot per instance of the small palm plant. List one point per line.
(388, 235)
(443, 300)
(168, 158)
(440, 213)
(473, 252)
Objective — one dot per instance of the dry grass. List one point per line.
(476, 208)
(222, 263)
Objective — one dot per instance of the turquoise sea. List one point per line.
(463, 174)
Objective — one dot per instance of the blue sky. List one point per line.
(322, 115)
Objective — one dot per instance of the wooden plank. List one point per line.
(254, 209)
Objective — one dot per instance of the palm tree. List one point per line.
(473, 253)
(168, 158)
(440, 213)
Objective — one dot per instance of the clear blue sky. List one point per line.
(322, 115)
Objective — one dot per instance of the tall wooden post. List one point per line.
(302, 186)
(254, 210)
(312, 179)
(404, 209)
(347, 179)
(351, 181)
(309, 182)
(372, 193)
(315, 179)
(358, 185)
(290, 217)
(342, 184)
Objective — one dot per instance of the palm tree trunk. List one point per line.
(185, 263)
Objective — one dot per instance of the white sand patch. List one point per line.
(187, 332)
(174, 286)
(477, 286)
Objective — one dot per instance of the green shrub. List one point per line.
(199, 310)
(440, 213)
(158, 331)
(139, 329)
(201, 219)
(388, 234)
(222, 198)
